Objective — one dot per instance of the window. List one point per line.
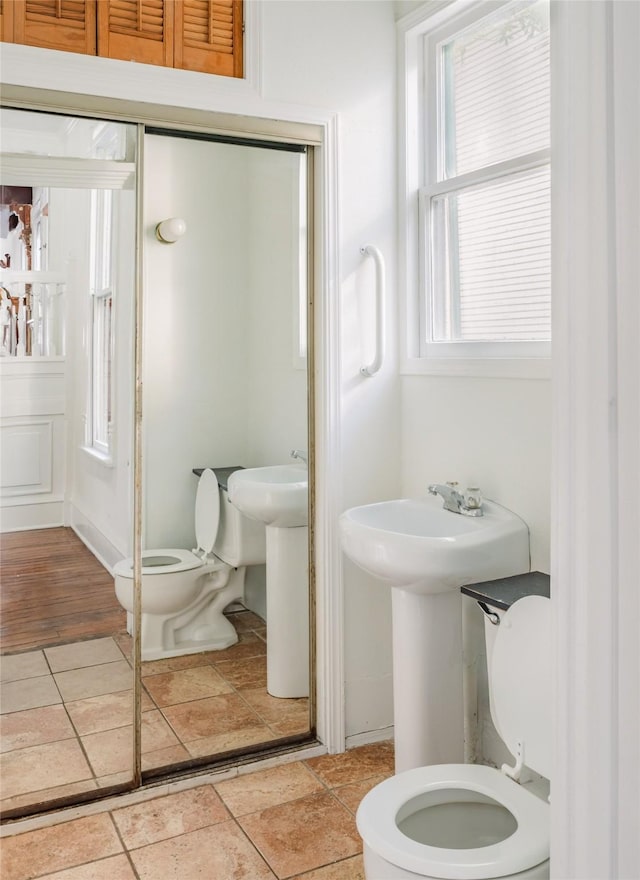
(101, 337)
(481, 180)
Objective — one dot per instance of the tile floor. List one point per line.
(66, 711)
(290, 821)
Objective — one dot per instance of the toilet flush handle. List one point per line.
(492, 616)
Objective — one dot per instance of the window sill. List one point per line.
(103, 458)
(482, 368)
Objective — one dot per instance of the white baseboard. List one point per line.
(25, 517)
(90, 535)
(369, 736)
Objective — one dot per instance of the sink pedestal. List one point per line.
(288, 611)
(427, 678)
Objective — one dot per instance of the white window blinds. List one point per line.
(488, 192)
(495, 90)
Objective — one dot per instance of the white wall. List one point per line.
(194, 366)
(276, 398)
(495, 434)
(220, 384)
(99, 494)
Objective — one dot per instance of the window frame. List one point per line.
(103, 219)
(431, 24)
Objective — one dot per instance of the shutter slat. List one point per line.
(209, 36)
(137, 30)
(69, 11)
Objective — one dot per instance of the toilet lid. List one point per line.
(521, 681)
(207, 510)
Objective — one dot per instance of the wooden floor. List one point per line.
(53, 590)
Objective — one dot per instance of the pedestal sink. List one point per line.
(426, 553)
(278, 497)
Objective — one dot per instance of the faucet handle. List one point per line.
(473, 497)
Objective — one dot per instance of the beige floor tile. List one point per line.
(124, 641)
(104, 678)
(124, 777)
(303, 834)
(61, 846)
(182, 686)
(248, 645)
(209, 717)
(225, 742)
(33, 727)
(285, 717)
(222, 854)
(267, 788)
(93, 652)
(169, 816)
(164, 757)
(243, 621)
(30, 693)
(104, 712)
(354, 765)
(112, 868)
(245, 674)
(41, 767)
(347, 869)
(351, 795)
(171, 664)
(31, 664)
(111, 751)
(49, 794)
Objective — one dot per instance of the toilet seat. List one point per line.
(186, 560)
(207, 522)
(526, 847)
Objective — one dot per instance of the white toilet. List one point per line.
(184, 593)
(467, 821)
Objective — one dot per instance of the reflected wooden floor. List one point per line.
(53, 590)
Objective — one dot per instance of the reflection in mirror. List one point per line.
(225, 387)
(67, 224)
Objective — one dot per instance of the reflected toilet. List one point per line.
(467, 821)
(184, 593)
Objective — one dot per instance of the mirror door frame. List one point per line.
(319, 133)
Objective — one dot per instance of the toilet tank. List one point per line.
(240, 540)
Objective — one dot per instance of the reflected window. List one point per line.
(100, 425)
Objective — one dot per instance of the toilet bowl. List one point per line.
(184, 593)
(468, 821)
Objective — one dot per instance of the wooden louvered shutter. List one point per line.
(209, 36)
(69, 25)
(136, 30)
(6, 21)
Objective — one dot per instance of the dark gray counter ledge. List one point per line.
(222, 473)
(503, 592)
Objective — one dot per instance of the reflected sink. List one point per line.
(418, 546)
(275, 495)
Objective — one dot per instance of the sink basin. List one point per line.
(275, 495)
(418, 546)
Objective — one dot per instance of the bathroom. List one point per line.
(392, 435)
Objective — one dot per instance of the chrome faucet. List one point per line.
(301, 454)
(468, 504)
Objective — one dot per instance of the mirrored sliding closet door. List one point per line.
(168, 271)
(67, 230)
(226, 666)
